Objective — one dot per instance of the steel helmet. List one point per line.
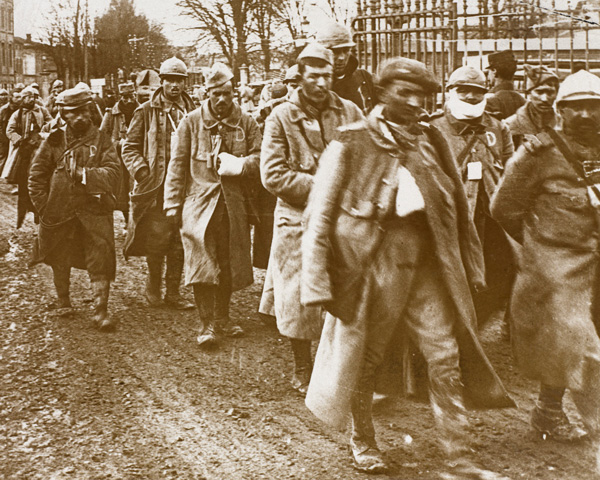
(173, 66)
(582, 85)
(316, 51)
(467, 76)
(335, 35)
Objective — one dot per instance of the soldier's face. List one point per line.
(316, 82)
(3, 98)
(582, 117)
(340, 59)
(128, 98)
(221, 99)
(16, 99)
(543, 96)
(78, 119)
(173, 86)
(28, 101)
(404, 102)
(469, 94)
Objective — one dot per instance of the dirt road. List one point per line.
(146, 403)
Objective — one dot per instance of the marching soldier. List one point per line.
(146, 152)
(73, 181)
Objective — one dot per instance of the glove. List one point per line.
(229, 165)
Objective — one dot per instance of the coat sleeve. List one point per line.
(13, 127)
(40, 173)
(251, 166)
(181, 153)
(508, 146)
(106, 176)
(133, 148)
(107, 124)
(276, 174)
(515, 192)
(319, 214)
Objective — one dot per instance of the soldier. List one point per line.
(481, 145)
(3, 97)
(390, 251)
(538, 113)
(503, 101)
(214, 156)
(57, 87)
(115, 123)
(23, 131)
(548, 201)
(6, 111)
(349, 81)
(296, 133)
(72, 183)
(146, 153)
(291, 79)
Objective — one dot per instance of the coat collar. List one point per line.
(381, 133)
(157, 100)
(301, 111)
(209, 120)
(503, 85)
(460, 127)
(117, 111)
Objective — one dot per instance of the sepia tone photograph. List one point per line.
(299, 239)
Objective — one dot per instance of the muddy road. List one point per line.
(145, 402)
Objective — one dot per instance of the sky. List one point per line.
(30, 14)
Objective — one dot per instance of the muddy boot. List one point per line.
(62, 283)
(102, 319)
(173, 296)
(204, 295)
(549, 420)
(223, 321)
(302, 364)
(153, 281)
(366, 456)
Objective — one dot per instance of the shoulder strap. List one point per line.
(465, 151)
(568, 154)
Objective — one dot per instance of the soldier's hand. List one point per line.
(142, 174)
(532, 144)
(230, 165)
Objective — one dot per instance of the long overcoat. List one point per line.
(193, 186)
(543, 204)
(294, 139)
(355, 191)
(59, 200)
(147, 144)
(524, 123)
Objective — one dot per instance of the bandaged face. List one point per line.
(466, 105)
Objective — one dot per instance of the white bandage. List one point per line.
(230, 165)
(409, 198)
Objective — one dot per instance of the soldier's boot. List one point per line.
(204, 295)
(101, 290)
(366, 455)
(549, 420)
(450, 415)
(223, 321)
(154, 280)
(302, 364)
(173, 274)
(62, 284)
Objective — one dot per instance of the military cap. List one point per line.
(503, 61)
(218, 75)
(335, 35)
(467, 76)
(29, 90)
(3, 91)
(409, 70)
(58, 83)
(127, 87)
(278, 90)
(582, 85)
(173, 67)
(292, 74)
(19, 86)
(316, 51)
(74, 97)
(539, 75)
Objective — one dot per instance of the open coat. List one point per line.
(194, 187)
(355, 190)
(543, 204)
(148, 144)
(294, 139)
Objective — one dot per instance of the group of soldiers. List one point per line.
(393, 231)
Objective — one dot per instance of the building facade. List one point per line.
(7, 43)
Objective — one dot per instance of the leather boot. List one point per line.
(62, 283)
(204, 295)
(173, 296)
(302, 364)
(222, 318)
(366, 455)
(102, 319)
(153, 281)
